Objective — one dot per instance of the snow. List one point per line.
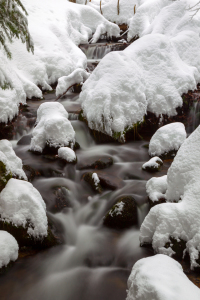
(109, 9)
(76, 77)
(167, 138)
(57, 28)
(156, 188)
(160, 278)
(22, 205)
(8, 248)
(96, 180)
(53, 127)
(117, 210)
(154, 162)
(12, 162)
(178, 220)
(67, 154)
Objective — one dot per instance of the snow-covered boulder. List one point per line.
(22, 205)
(67, 154)
(153, 164)
(156, 188)
(168, 224)
(93, 180)
(8, 248)
(12, 163)
(128, 83)
(53, 128)
(57, 28)
(167, 138)
(160, 278)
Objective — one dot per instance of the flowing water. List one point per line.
(94, 262)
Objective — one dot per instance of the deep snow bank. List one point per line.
(57, 28)
(8, 248)
(160, 278)
(177, 220)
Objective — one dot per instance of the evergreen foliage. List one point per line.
(14, 24)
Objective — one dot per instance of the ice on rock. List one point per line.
(12, 162)
(67, 154)
(160, 278)
(156, 188)
(167, 138)
(53, 127)
(8, 248)
(57, 28)
(22, 205)
(178, 220)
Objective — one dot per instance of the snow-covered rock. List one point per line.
(76, 77)
(53, 127)
(160, 278)
(153, 164)
(12, 162)
(167, 138)
(57, 28)
(8, 248)
(178, 221)
(156, 188)
(67, 154)
(22, 205)
(95, 179)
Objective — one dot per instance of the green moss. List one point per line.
(4, 175)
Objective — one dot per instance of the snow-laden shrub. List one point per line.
(8, 248)
(160, 278)
(53, 127)
(12, 162)
(178, 221)
(22, 205)
(167, 138)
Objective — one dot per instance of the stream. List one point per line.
(94, 262)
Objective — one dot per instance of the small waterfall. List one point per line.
(194, 117)
(96, 52)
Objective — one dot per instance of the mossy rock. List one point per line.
(123, 214)
(178, 246)
(30, 172)
(4, 176)
(62, 198)
(88, 178)
(23, 239)
(168, 155)
(99, 164)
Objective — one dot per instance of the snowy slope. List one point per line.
(160, 278)
(57, 28)
(178, 220)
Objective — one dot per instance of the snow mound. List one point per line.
(109, 9)
(12, 162)
(67, 154)
(126, 84)
(167, 138)
(156, 188)
(22, 205)
(160, 278)
(53, 127)
(178, 220)
(65, 82)
(57, 28)
(8, 248)
(96, 179)
(153, 163)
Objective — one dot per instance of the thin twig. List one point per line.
(118, 7)
(101, 9)
(65, 92)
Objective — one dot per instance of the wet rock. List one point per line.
(99, 164)
(24, 239)
(88, 177)
(4, 176)
(109, 182)
(7, 131)
(62, 199)
(177, 245)
(122, 215)
(25, 140)
(154, 203)
(30, 172)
